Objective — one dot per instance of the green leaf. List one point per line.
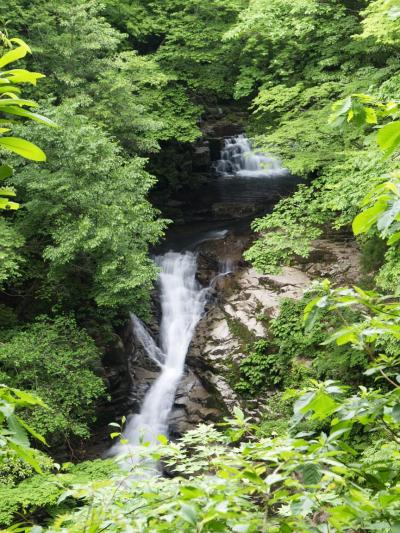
(7, 205)
(13, 110)
(23, 148)
(5, 172)
(20, 435)
(30, 430)
(14, 54)
(23, 76)
(26, 455)
(322, 405)
(190, 493)
(189, 514)
(9, 89)
(389, 137)
(301, 405)
(365, 220)
(393, 238)
(396, 412)
(311, 473)
(311, 313)
(5, 102)
(7, 191)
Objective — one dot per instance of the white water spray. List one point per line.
(147, 341)
(182, 305)
(238, 159)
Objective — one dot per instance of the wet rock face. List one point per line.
(201, 157)
(193, 404)
(243, 302)
(246, 299)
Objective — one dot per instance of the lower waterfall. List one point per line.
(182, 301)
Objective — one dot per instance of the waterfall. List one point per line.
(147, 341)
(238, 160)
(182, 304)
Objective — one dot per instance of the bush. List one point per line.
(57, 361)
(260, 369)
(40, 493)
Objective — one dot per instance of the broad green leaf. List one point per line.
(322, 405)
(23, 397)
(23, 148)
(23, 76)
(389, 137)
(7, 191)
(14, 54)
(189, 514)
(12, 110)
(30, 430)
(8, 90)
(311, 313)
(190, 493)
(301, 405)
(7, 205)
(366, 219)
(396, 412)
(393, 238)
(5, 172)
(311, 473)
(371, 117)
(20, 435)
(26, 454)
(5, 102)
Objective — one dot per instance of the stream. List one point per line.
(182, 297)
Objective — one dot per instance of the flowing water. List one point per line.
(182, 304)
(238, 160)
(243, 176)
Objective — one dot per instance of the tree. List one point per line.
(87, 212)
(13, 107)
(56, 360)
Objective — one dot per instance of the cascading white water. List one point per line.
(238, 159)
(147, 341)
(182, 305)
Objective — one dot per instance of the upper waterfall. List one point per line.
(238, 159)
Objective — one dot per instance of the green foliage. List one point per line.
(381, 21)
(10, 259)
(239, 482)
(14, 431)
(293, 355)
(294, 66)
(260, 369)
(186, 38)
(91, 222)
(87, 227)
(43, 492)
(13, 105)
(12, 108)
(14, 469)
(55, 360)
(85, 60)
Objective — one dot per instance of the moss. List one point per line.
(240, 331)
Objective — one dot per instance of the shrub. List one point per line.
(57, 360)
